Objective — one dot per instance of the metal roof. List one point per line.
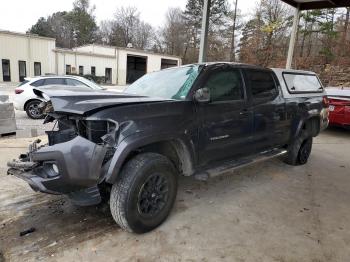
(317, 4)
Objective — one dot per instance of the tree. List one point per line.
(193, 16)
(83, 22)
(127, 27)
(76, 27)
(266, 33)
(173, 33)
(218, 37)
(42, 28)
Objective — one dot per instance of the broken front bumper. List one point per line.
(69, 168)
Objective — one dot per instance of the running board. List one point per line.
(239, 163)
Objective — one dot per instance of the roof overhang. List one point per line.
(317, 4)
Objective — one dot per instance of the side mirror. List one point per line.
(202, 95)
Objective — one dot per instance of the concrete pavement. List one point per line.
(266, 212)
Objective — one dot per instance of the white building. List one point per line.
(25, 55)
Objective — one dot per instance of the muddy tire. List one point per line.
(33, 111)
(144, 194)
(299, 150)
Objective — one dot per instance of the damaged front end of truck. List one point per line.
(76, 157)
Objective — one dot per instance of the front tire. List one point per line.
(145, 192)
(33, 110)
(299, 150)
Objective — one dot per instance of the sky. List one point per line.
(20, 15)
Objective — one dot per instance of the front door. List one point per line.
(226, 121)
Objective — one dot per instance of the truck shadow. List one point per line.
(337, 131)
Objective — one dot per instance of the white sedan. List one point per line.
(26, 100)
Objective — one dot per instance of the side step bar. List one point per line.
(239, 163)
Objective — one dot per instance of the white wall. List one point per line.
(87, 61)
(29, 48)
(26, 48)
(97, 49)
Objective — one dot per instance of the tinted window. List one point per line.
(37, 68)
(261, 83)
(6, 73)
(38, 83)
(22, 83)
(225, 86)
(73, 82)
(302, 83)
(68, 69)
(54, 81)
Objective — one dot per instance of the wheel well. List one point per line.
(312, 126)
(30, 100)
(176, 151)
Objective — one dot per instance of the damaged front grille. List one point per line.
(96, 130)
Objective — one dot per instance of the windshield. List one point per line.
(173, 83)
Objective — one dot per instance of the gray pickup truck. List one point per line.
(202, 119)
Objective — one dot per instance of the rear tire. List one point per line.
(33, 111)
(299, 150)
(144, 194)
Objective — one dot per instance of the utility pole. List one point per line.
(233, 53)
(293, 37)
(204, 33)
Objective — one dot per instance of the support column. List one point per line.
(293, 37)
(204, 33)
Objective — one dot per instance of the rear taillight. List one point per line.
(325, 101)
(18, 91)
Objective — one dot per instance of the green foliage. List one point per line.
(76, 27)
(193, 12)
(42, 28)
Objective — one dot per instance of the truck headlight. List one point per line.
(55, 168)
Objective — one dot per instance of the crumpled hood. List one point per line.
(85, 102)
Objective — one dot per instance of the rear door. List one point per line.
(226, 121)
(270, 125)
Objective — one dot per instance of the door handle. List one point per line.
(244, 111)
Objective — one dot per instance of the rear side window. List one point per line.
(225, 85)
(73, 82)
(38, 83)
(54, 81)
(261, 83)
(302, 83)
(22, 83)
